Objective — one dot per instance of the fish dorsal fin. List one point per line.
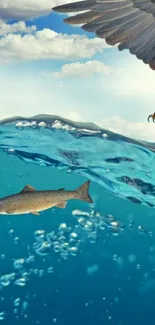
(28, 188)
(61, 189)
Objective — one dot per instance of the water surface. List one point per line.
(86, 263)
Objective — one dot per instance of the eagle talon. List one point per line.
(152, 116)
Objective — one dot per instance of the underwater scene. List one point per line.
(85, 262)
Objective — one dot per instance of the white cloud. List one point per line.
(47, 44)
(19, 27)
(139, 130)
(133, 79)
(78, 69)
(27, 9)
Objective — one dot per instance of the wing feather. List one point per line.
(130, 24)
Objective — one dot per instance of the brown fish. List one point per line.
(29, 200)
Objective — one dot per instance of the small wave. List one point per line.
(124, 166)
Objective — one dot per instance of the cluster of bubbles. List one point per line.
(19, 307)
(141, 230)
(67, 240)
(20, 304)
(19, 278)
(33, 124)
(20, 275)
(58, 125)
(22, 272)
(8, 279)
(37, 124)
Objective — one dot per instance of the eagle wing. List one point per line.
(130, 24)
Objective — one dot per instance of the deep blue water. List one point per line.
(86, 263)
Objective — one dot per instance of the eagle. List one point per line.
(127, 24)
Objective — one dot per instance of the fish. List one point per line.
(29, 200)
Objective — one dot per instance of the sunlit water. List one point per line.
(86, 263)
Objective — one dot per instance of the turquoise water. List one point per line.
(86, 263)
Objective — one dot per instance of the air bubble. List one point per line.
(16, 240)
(11, 232)
(79, 212)
(57, 125)
(102, 225)
(73, 235)
(73, 251)
(62, 239)
(39, 234)
(19, 126)
(17, 302)
(64, 247)
(88, 226)
(54, 320)
(20, 282)
(50, 270)
(15, 311)
(92, 237)
(24, 305)
(56, 247)
(115, 257)
(33, 125)
(6, 279)
(18, 264)
(2, 315)
(114, 224)
(11, 150)
(25, 316)
(81, 221)
(42, 124)
(43, 249)
(104, 135)
(63, 226)
(142, 230)
(41, 272)
(30, 259)
(35, 271)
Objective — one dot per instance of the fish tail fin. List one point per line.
(82, 192)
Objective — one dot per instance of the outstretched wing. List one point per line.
(128, 23)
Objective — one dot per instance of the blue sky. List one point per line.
(50, 67)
